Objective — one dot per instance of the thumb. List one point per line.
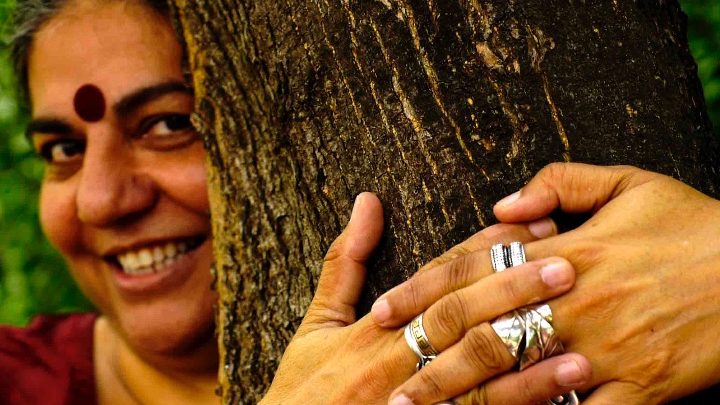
(343, 272)
(572, 187)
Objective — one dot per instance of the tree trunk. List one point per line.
(440, 107)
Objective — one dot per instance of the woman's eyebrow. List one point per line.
(47, 126)
(131, 102)
(126, 106)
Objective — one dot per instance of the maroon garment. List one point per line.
(50, 362)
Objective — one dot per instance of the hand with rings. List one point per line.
(644, 309)
(336, 358)
(524, 335)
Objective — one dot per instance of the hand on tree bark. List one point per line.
(645, 307)
(335, 358)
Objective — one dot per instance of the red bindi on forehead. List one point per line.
(89, 103)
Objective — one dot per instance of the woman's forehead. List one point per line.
(114, 46)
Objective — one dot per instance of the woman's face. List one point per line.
(124, 196)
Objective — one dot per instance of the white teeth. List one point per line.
(170, 250)
(146, 258)
(158, 254)
(129, 261)
(151, 260)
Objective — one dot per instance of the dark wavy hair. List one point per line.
(30, 16)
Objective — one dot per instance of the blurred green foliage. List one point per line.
(704, 37)
(33, 277)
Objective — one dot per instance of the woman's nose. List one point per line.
(112, 187)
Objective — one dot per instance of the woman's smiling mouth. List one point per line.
(158, 267)
(154, 258)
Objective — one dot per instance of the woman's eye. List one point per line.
(62, 151)
(166, 125)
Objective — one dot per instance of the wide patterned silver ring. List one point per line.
(541, 342)
(417, 339)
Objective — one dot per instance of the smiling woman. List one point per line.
(123, 197)
(124, 201)
(119, 187)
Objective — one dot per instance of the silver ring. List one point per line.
(517, 254)
(503, 257)
(541, 341)
(511, 330)
(568, 398)
(497, 258)
(529, 336)
(417, 339)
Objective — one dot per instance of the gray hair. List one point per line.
(29, 17)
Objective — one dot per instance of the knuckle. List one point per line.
(477, 396)
(360, 388)
(366, 383)
(454, 253)
(484, 351)
(623, 171)
(364, 338)
(450, 316)
(621, 178)
(430, 381)
(554, 171)
(478, 240)
(655, 373)
(373, 378)
(528, 390)
(585, 253)
(460, 250)
(390, 367)
(633, 392)
(513, 292)
(333, 254)
(460, 272)
(413, 294)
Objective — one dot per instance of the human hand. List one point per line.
(335, 359)
(645, 307)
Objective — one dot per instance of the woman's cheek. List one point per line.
(58, 216)
(185, 178)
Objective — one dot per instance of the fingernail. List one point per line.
(380, 310)
(569, 374)
(509, 199)
(358, 203)
(556, 274)
(401, 400)
(542, 228)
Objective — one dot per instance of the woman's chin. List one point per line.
(158, 333)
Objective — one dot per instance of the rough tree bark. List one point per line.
(439, 106)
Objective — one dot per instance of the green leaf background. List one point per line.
(33, 277)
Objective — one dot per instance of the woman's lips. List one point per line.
(159, 267)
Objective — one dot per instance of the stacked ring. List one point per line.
(497, 256)
(419, 343)
(530, 325)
